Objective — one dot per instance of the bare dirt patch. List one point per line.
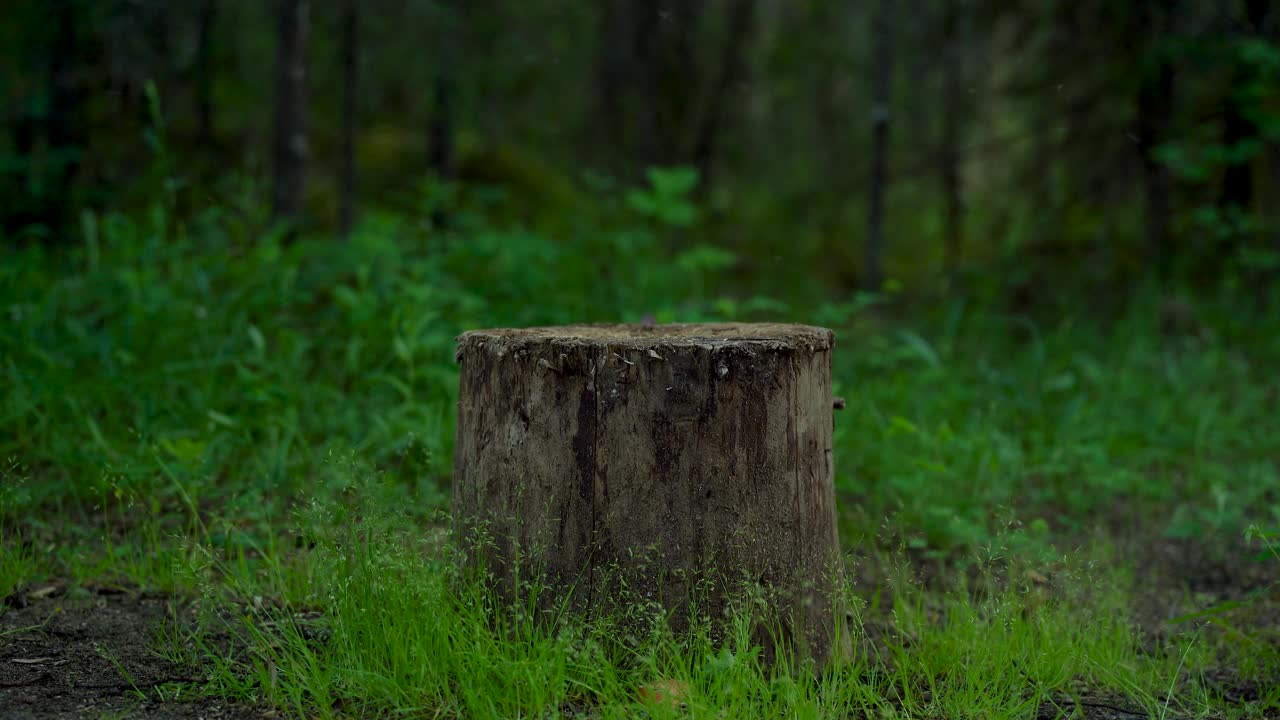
(91, 653)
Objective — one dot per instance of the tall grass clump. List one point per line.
(18, 556)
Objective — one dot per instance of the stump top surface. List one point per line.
(748, 336)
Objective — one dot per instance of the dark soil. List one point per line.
(91, 654)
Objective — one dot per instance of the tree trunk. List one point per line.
(204, 74)
(443, 89)
(732, 69)
(1155, 105)
(953, 109)
(350, 42)
(157, 27)
(65, 129)
(627, 464)
(667, 72)
(290, 140)
(1237, 126)
(612, 80)
(1237, 179)
(882, 77)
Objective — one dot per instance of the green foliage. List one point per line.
(227, 412)
(667, 197)
(184, 362)
(1067, 424)
(166, 352)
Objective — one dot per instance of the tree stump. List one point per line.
(638, 459)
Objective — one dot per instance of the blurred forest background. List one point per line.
(1039, 146)
(238, 239)
(241, 236)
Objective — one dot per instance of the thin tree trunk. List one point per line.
(204, 74)
(440, 130)
(290, 141)
(158, 68)
(1237, 179)
(1155, 104)
(1271, 32)
(731, 72)
(831, 122)
(952, 114)
(612, 79)
(644, 65)
(1265, 23)
(350, 101)
(666, 66)
(882, 75)
(1274, 277)
(679, 79)
(65, 131)
(1237, 127)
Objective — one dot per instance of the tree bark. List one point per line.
(65, 129)
(881, 81)
(953, 111)
(1155, 105)
(350, 44)
(667, 72)
(440, 130)
(612, 80)
(1237, 126)
(204, 74)
(1237, 178)
(732, 70)
(631, 464)
(290, 137)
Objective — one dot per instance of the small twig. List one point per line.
(1104, 706)
(1077, 703)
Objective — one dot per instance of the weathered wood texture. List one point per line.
(635, 462)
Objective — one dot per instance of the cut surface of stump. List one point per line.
(637, 464)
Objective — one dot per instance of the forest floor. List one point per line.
(93, 652)
(76, 650)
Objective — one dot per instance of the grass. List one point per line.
(386, 624)
(197, 408)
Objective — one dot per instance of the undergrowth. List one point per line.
(387, 623)
(196, 406)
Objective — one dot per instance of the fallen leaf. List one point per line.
(664, 690)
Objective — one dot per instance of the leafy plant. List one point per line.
(667, 199)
